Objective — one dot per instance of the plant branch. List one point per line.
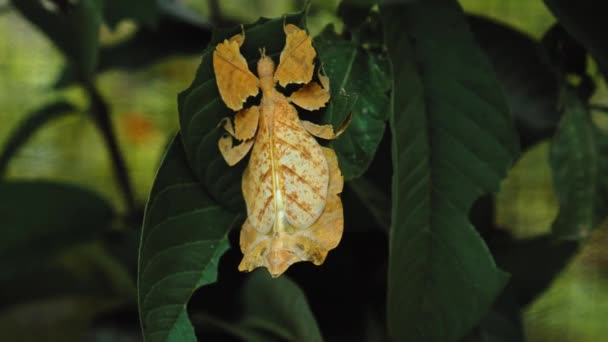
(215, 12)
(599, 107)
(101, 115)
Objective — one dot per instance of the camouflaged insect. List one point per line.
(292, 184)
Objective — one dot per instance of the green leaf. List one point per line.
(201, 109)
(142, 11)
(29, 126)
(531, 86)
(278, 307)
(533, 263)
(578, 160)
(361, 75)
(41, 219)
(184, 235)
(452, 142)
(584, 20)
(175, 33)
(74, 30)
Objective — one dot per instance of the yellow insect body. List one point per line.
(291, 184)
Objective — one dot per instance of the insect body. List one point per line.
(291, 183)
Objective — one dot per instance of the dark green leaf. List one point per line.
(201, 109)
(174, 34)
(29, 126)
(584, 20)
(142, 11)
(360, 78)
(278, 307)
(579, 162)
(503, 323)
(530, 85)
(40, 219)
(184, 235)
(452, 142)
(74, 30)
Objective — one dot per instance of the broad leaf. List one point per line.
(201, 109)
(584, 20)
(40, 219)
(452, 142)
(74, 30)
(530, 85)
(579, 162)
(174, 34)
(277, 307)
(184, 235)
(361, 75)
(142, 11)
(29, 126)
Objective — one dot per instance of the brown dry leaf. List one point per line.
(234, 80)
(291, 184)
(295, 64)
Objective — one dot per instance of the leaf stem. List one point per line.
(599, 107)
(101, 115)
(215, 13)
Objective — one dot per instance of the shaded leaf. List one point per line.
(279, 308)
(585, 22)
(530, 85)
(29, 126)
(74, 31)
(175, 33)
(359, 77)
(184, 235)
(533, 263)
(579, 162)
(142, 11)
(503, 323)
(79, 269)
(201, 109)
(62, 319)
(64, 215)
(452, 142)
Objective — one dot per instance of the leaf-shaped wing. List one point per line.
(278, 251)
(296, 62)
(287, 176)
(235, 81)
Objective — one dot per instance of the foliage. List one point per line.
(441, 104)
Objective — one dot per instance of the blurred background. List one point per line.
(143, 106)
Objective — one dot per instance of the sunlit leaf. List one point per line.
(73, 30)
(29, 126)
(184, 235)
(452, 142)
(579, 162)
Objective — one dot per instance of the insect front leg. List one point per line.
(242, 132)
